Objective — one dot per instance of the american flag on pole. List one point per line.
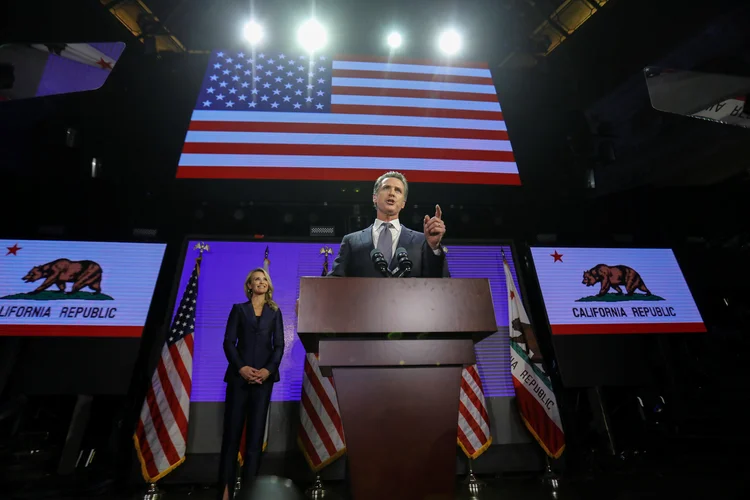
(273, 115)
(534, 395)
(161, 434)
(473, 421)
(321, 435)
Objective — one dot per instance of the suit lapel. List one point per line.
(249, 314)
(265, 315)
(366, 238)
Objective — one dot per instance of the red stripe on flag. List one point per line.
(473, 424)
(357, 109)
(342, 174)
(471, 370)
(172, 400)
(427, 94)
(307, 444)
(323, 397)
(324, 128)
(243, 441)
(474, 400)
(629, 328)
(319, 427)
(474, 375)
(465, 441)
(146, 453)
(406, 60)
(70, 331)
(190, 341)
(417, 77)
(536, 417)
(371, 151)
(187, 381)
(162, 433)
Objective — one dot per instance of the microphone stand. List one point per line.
(403, 273)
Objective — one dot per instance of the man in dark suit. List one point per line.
(387, 234)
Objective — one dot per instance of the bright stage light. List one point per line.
(312, 36)
(253, 32)
(394, 40)
(450, 42)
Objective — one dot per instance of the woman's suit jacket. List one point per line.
(249, 343)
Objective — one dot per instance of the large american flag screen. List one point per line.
(273, 115)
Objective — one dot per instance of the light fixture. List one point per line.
(312, 36)
(253, 32)
(450, 42)
(394, 40)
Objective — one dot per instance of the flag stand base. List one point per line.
(237, 487)
(153, 493)
(472, 484)
(317, 491)
(551, 480)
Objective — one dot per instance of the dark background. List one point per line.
(661, 180)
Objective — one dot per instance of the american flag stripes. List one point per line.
(321, 435)
(161, 434)
(473, 421)
(284, 116)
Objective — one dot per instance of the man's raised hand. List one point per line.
(434, 228)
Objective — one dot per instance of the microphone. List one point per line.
(404, 264)
(378, 260)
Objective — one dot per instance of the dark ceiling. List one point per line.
(590, 82)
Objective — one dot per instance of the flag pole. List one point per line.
(317, 490)
(153, 492)
(474, 485)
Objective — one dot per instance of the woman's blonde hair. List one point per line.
(269, 293)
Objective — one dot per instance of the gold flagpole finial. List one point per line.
(201, 247)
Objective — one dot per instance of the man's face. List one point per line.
(390, 198)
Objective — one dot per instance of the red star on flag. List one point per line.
(512, 295)
(13, 250)
(104, 64)
(556, 256)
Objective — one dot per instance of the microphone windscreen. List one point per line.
(401, 250)
(374, 252)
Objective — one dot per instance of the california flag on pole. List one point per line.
(534, 395)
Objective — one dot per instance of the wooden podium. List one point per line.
(396, 349)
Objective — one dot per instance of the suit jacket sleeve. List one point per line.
(342, 261)
(434, 266)
(230, 339)
(278, 344)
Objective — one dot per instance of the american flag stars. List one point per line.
(296, 82)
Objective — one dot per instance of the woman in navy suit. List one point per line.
(253, 344)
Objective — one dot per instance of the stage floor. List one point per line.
(700, 475)
(617, 486)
